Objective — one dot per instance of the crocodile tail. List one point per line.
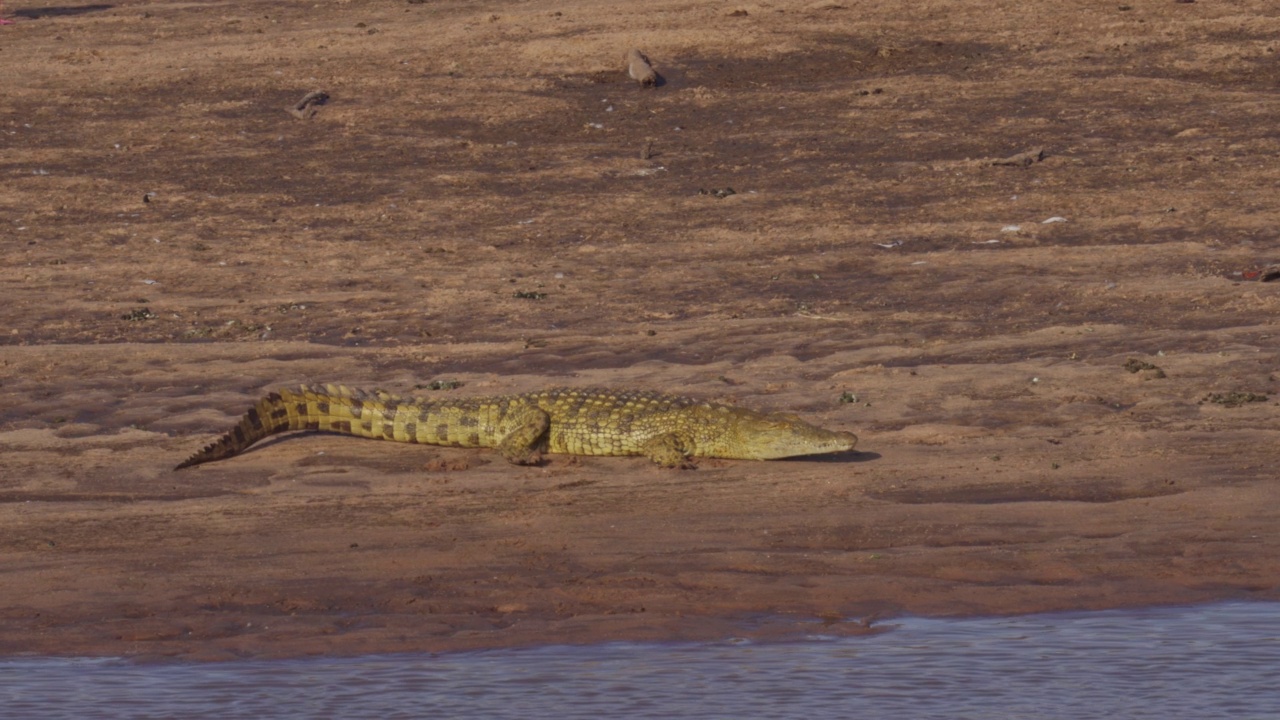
(268, 416)
(333, 408)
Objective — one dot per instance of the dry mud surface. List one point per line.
(487, 198)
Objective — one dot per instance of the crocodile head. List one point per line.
(769, 436)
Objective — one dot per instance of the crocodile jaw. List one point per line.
(808, 443)
(774, 436)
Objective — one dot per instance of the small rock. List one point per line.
(1234, 399)
(639, 69)
(718, 192)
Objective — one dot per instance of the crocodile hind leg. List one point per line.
(667, 451)
(523, 445)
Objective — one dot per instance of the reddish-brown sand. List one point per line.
(486, 197)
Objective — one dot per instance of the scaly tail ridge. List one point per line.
(269, 416)
(316, 407)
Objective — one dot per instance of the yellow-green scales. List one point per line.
(665, 428)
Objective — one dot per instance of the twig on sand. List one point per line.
(307, 106)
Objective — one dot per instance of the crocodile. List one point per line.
(667, 429)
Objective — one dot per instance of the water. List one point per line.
(1213, 661)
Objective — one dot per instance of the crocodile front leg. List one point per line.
(667, 451)
(522, 446)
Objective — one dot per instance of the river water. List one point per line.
(1202, 662)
